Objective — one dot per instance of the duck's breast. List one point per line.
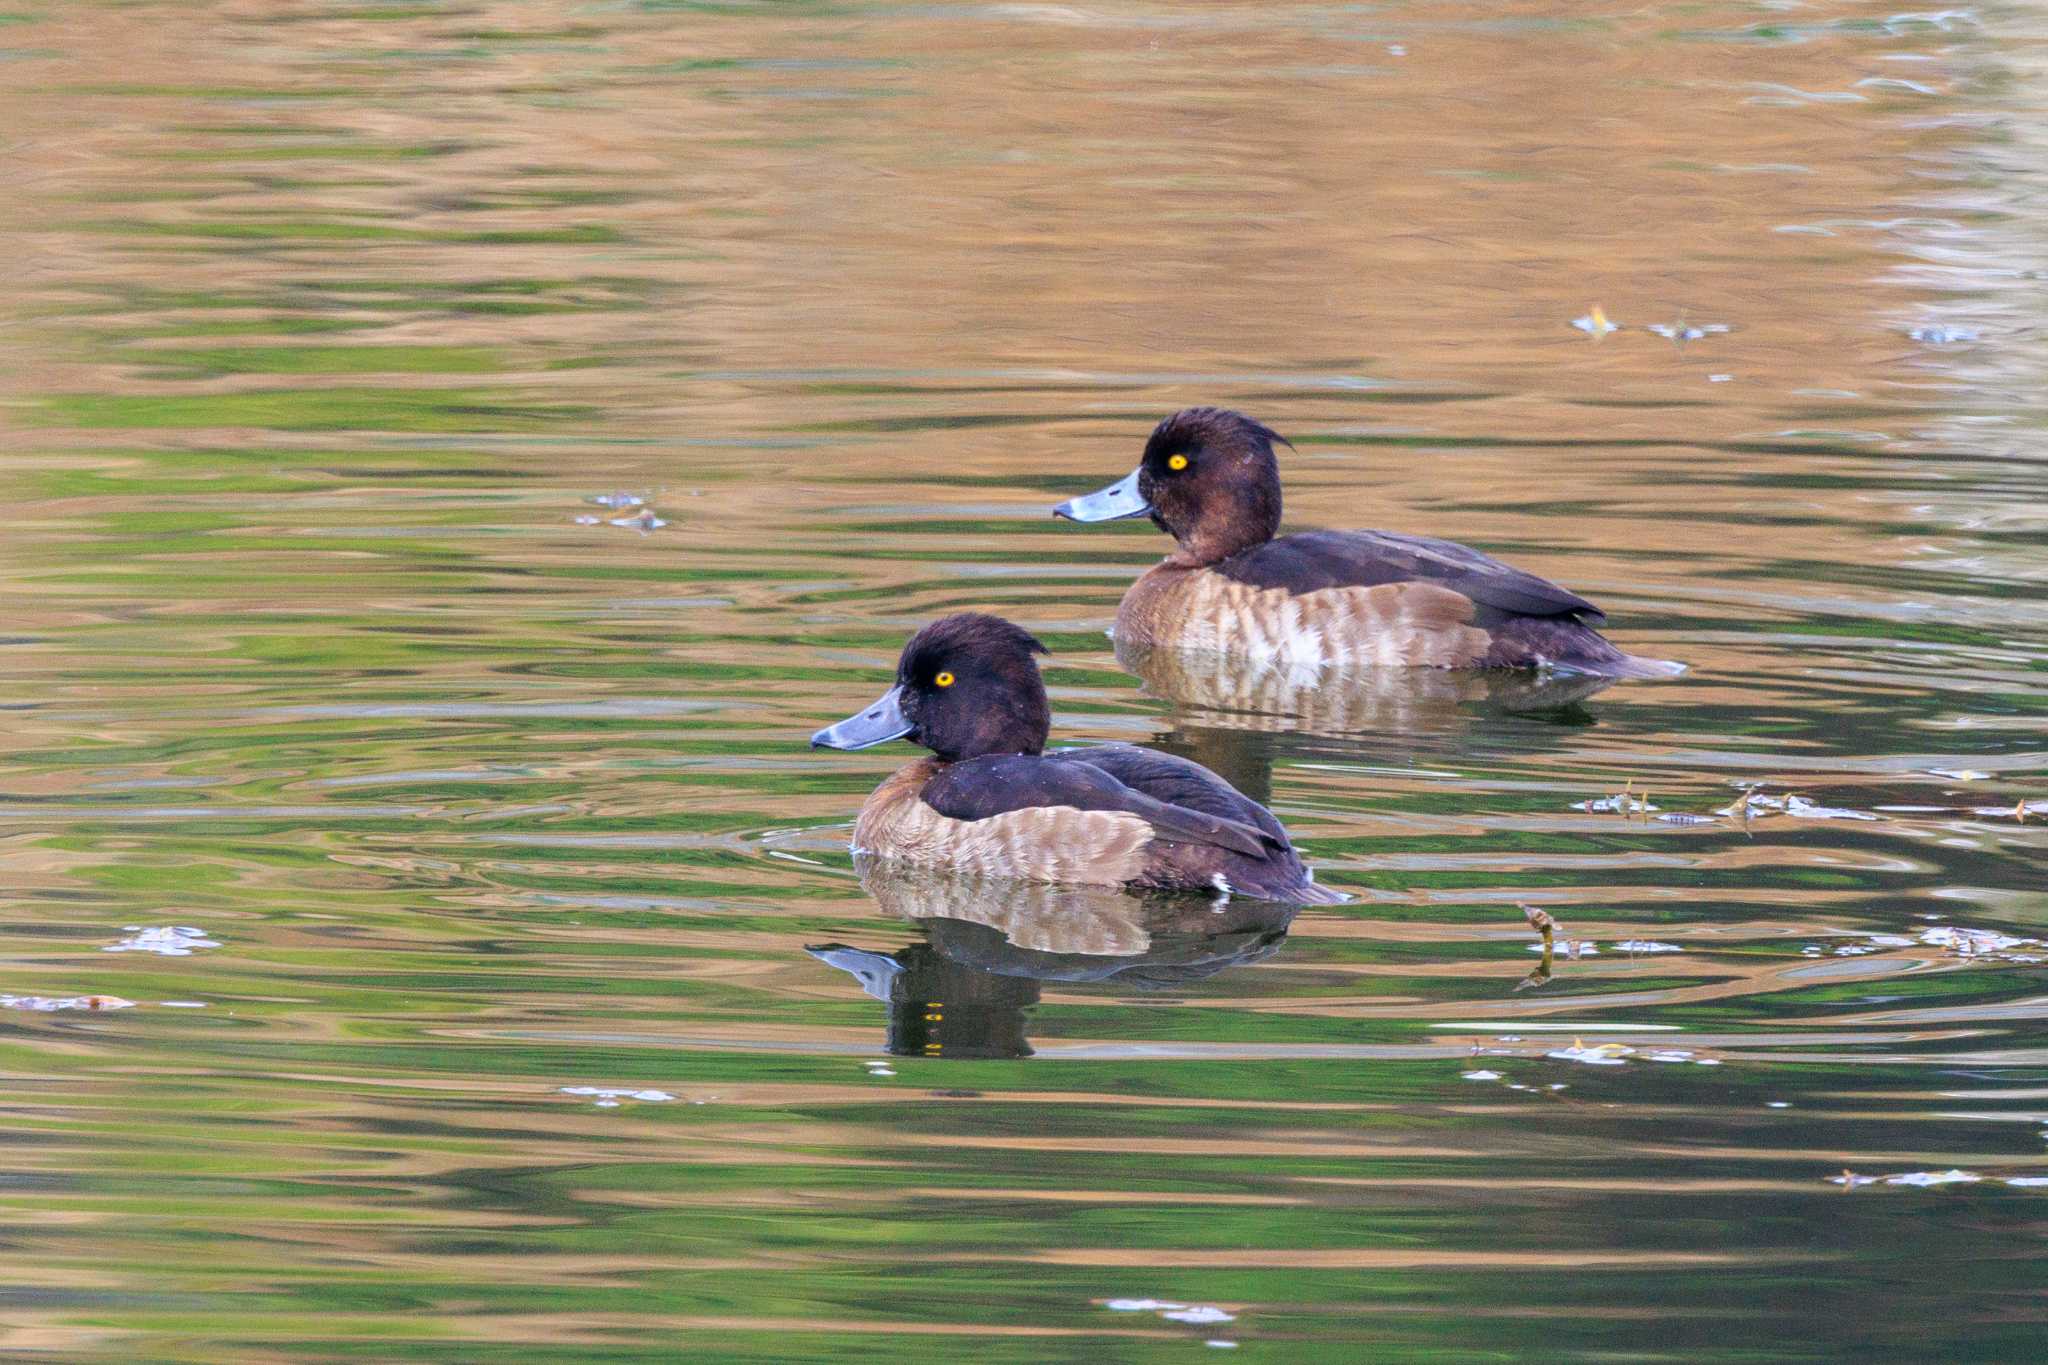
(1039, 843)
(1411, 624)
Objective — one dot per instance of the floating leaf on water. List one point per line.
(1595, 323)
(45, 1004)
(169, 940)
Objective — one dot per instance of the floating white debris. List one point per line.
(168, 940)
(1687, 331)
(1974, 942)
(1570, 947)
(1622, 803)
(1802, 809)
(1777, 1104)
(1754, 804)
(44, 1004)
(616, 501)
(1595, 323)
(1646, 946)
(608, 1096)
(1939, 334)
(1924, 1179)
(1600, 1054)
(1479, 1075)
(1201, 1314)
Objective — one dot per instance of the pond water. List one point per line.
(496, 975)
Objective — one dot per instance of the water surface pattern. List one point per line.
(457, 452)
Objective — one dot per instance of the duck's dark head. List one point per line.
(1208, 479)
(965, 686)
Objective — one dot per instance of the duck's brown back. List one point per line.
(1411, 624)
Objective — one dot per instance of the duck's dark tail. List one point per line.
(1637, 666)
(1312, 893)
(1564, 642)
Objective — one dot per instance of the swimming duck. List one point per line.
(1234, 586)
(991, 801)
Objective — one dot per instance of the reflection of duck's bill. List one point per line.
(1121, 499)
(877, 724)
(876, 972)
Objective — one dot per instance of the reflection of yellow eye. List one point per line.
(1177, 462)
(944, 680)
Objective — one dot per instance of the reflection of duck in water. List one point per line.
(992, 801)
(1290, 695)
(1237, 715)
(964, 992)
(1209, 479)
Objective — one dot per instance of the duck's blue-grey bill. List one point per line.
(1121, 499)
(878, 724)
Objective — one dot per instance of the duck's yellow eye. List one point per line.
(1176, 462)
(944, 680)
